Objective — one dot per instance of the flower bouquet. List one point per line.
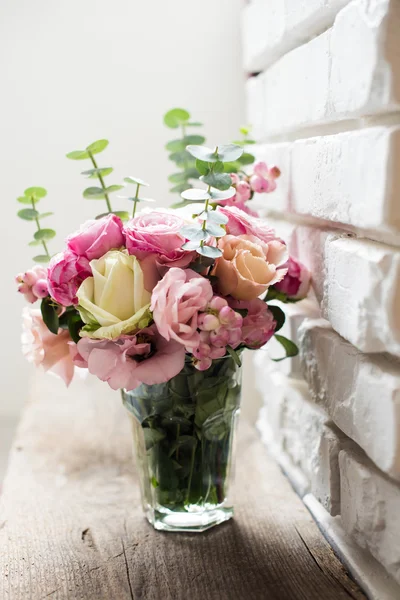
(161, 304)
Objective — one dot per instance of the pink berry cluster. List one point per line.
(33, 283)
(220, 326)
(263, 180)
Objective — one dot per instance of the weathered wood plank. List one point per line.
(71, 526)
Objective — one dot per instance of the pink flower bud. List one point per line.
(275, 172)
(202, 351)
(40, 288)
(19, 278)
(217, 303)
(24, 288)
(243, 191)
(217, 352)
(203, 364)
(235, 337)
(31, 277)
(228, 316)
(261, 169)
(208, 322)
(296, 282)
(259, 184)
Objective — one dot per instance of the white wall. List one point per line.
(73, 71)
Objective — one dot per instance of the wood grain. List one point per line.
(71, 525)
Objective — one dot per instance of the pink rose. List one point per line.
(258, 325)
(128, 361)
(240, 223)
(296, 282)
(248, 266)
(95, 238)
(65, 274)
(41, 347)
(33, 283)
(154, 237)
(176, 302)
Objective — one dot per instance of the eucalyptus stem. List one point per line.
(191, 471)
(135, 200)
(107, 199)
(39, 228)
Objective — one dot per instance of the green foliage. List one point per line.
(41, 258)
(226, 153)
(49, 314)
(195, 195)
(279, 316)
(290, 348)
(94, 173)
(32, 196)
(28, 214)
(176, 117)
(220, 181)
(136, 181)
(35, 192)
(44, 234)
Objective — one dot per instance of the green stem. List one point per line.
(107, 199)
(135, 200)
(178, 432)
(191, 472)
(39, 228)
(185, 165)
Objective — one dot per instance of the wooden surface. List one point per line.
(71, 526)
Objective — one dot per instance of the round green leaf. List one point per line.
(203, 153)
(194, 139)
(245, 142)
(78, 155)
(195, 195)
(193, 233)
(94, 193)
(245, 129)
(136, 180)
(44, 234)
(215, 230)
(35, 243)
(176, 146)
(29, 214)
(193, 245)
(209, 251)
(176, 117)
(180, 158)
(37, 192)
(122, 214)
(44, 215)
(113, 188)
(232, 167)
(246, 159)
(217, 195)
(179, 188)
(220, 181)
(216, 217)
(97, 146)
(229, 153)
(202, 167)
(178, 177)
(41, 258)
(218, 167)
(26, 200)
(49, 313)
(93, 173)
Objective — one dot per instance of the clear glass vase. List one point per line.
(183, 435)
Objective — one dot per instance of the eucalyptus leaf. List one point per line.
(232, 167)
(46, 214)
(216, 217)
(246, 159)
(136, 180)
(215, 230)
(113, 188)
(37, 192)
(179, 188)
(194, 124)
(44, 234)
(246, 142)
(193, 245)
(176, 145)
(26, 200)
(195, 195)
(102, 172)
(193, 233)
(218, 195)
(279, 316)
(202, 167)
(194, 139)
(94, 193)
(290, 348)
(35, 243)
(49, 314)
(209, 251)
(218, 167)
(181, 158)
(203, 153)
(181, 177)
(176, 117)
(229, 153)
(78, 155)
(122, 214)
(152, 437)
(220, 181)
(41, 258)
(97, 147)
(28, 214)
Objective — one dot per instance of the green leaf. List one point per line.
(179, 188)
(122, 214)
(29, 214)
(37, 192)
(232, 167)
(93, 173)
(215, 230)
(94, 193)
(102, 215)
(279, 316)
(194, 139)
(136, 181)
(209, 251)
(218, 167)
(114, 188)
(44, 215)
(220, 181)
(41, 258)
(218, 195)
(245, 129)
(152, 437)
(290, 348)
(195, 195)
(274, 294)
(194, 124)
(181, 177)
(245, 142)
(26, 200)
(49, 314)
(181, 158)
(97, 146)
(216, 217)
(44, 234)
(175, 146)
(35, 243)
(176, 117)
(223, 154)
(202, 167)
(193, 233)
(229, 153)
(154, 482)
(234, 355)
(134, 199)
(203, 153)
(181, 204)
(246, 159)
(78, 155)
(193, 245)
(75, 324)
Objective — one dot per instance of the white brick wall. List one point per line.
(326, 109)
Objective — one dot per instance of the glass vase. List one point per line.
(183, 436)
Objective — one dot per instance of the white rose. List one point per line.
(115, 297)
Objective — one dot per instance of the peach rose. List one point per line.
(248, 266)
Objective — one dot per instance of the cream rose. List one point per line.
(115, 297)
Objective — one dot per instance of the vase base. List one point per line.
(193, 520)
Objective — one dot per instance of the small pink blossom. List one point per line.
(296, 282)
(65, 275)
(260, 185)
(43, 348)
(129, 361)
(176, 302)
(243, 191)
(240, 223)
(96, 237)
(258, 325)
(33, 283)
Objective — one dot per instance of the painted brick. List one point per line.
(370, 506)
(360, 392)
(331, 79)
(273, 28)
